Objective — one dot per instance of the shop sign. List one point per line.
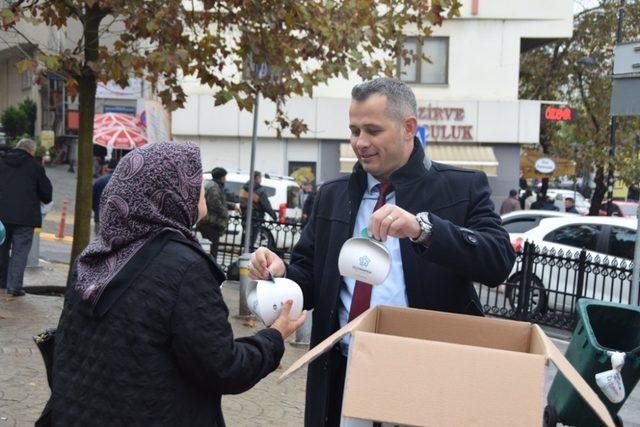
(555, 113)
(47, 138)
(545, 165)
(448, 122)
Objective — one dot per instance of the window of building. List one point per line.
(579, 236)
(27, 79)
(622, 242)
(421, 71)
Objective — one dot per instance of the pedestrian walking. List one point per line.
(511, 203)
(570, 205)
(98, 187)
(541, 199)
(23, 187)
(261, 206)
(307, 206)
(529, 198)
(143, 338)
(214, 224)
(437, 221)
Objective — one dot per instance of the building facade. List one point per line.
(468, 105)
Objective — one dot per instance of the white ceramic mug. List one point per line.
(265, 298)
(364, 259)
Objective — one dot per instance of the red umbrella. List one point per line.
(118, 131)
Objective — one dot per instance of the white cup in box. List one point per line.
(265, 298)
(364, 259)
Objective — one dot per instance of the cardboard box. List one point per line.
(427, 368)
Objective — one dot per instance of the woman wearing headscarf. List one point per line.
(143, 338)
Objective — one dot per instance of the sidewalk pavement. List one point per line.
(24, 390)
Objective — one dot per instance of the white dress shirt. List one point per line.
(393, 290)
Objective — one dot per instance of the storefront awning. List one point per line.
(476, 157)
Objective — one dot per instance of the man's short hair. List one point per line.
(256, 174)
(569, 199)
(27, 144)
(513, 193)
(401, 102)
(218, 172)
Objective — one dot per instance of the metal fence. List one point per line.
(280, 237)
(546, 284)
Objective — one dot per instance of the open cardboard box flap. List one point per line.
(495, 337)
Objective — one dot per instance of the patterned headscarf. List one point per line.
(154, 187)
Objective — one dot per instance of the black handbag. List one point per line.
(46, 342)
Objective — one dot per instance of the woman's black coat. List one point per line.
(157, 348)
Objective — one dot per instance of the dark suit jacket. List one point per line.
(468, 245)
(23, 186)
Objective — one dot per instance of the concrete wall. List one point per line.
(508, 155)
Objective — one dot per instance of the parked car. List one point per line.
(281, 190)
(618, 208)
(554, 287)
(519, 222)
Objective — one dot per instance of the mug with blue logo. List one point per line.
(364, 259)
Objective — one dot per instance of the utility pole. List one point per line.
(614, 124)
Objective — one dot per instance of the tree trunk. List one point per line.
(87, 94)
(598, 192)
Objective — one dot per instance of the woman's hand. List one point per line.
(285, 326)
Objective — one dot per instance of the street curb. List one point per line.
(52, 237)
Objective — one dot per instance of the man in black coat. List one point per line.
(261, 206)
(23, 186)
(436, 219)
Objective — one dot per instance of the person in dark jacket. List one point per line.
(98, 188)
(143, 337)
(215, 222)
(261, 206)
(437, 221)
(23, 186)
(570, 205)
(307, 206)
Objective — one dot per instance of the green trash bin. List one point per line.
(603, 328)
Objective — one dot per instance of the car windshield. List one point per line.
(520, 225)
(293, 197)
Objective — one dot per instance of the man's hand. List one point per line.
(262, 260)
(392, 221)
(285, 326)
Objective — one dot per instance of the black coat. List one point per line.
(157, 349)
(23, 185)
(468, 245)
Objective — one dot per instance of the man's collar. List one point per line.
(372, 181)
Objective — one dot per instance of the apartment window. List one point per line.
(27, 79)
(421, 71)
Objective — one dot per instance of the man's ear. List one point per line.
(410, 126)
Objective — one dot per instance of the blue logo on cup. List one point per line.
(364, 261)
